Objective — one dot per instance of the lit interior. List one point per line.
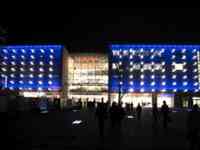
(88, 77)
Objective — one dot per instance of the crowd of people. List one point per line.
(116, 113)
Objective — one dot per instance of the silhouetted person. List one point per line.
(87, 100)
(101, 114)
(126, 106)
(107, 105)
(155, 114)
(84, 104)
(138, 111)
(131, 107)
(93, 104)
(193, 127)
(89, 105)
(79, 104)
(113, 114)
(165, 114)
(120, 115)
(56, 102)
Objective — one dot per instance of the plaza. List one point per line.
(56, 131)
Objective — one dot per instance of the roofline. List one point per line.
(29, 45)
(154, 45)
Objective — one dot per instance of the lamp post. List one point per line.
(120, 76)
(5, 81)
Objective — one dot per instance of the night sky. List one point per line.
(93, 29)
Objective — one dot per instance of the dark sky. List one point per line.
(83, 29)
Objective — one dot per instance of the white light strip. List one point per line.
(198, 62)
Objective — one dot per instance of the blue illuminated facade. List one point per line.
(154, 68)
(31, 67)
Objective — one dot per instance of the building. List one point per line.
(135, 74)
(49, 71)
(32, 70)
(87, 76)
(149, 74)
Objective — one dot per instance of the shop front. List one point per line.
(196, 100)
(144, 99)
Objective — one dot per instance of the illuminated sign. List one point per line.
(151, 68)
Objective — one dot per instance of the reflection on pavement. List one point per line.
(130, 117)
(76, 122)
(75, 110)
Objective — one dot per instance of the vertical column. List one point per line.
(177, 99)
(109, 77)
(6, 81)
(198, 68)
(64, 94)
(154, 98)
(190, 101)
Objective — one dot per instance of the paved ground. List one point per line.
(55, 131)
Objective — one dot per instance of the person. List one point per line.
(193, 126)
(120, 115)
(107, 105)
(84, 104)
(101, 114)
(138, 111)
(155, 114)
(80, 103)
(113, 114)
(57, 103)
(87, 100)
(94, 104)
(126, 107)
(165, 114)
(131, 109)
(43, 106)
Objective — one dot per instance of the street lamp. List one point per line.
(5, 81)
(120, 72)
